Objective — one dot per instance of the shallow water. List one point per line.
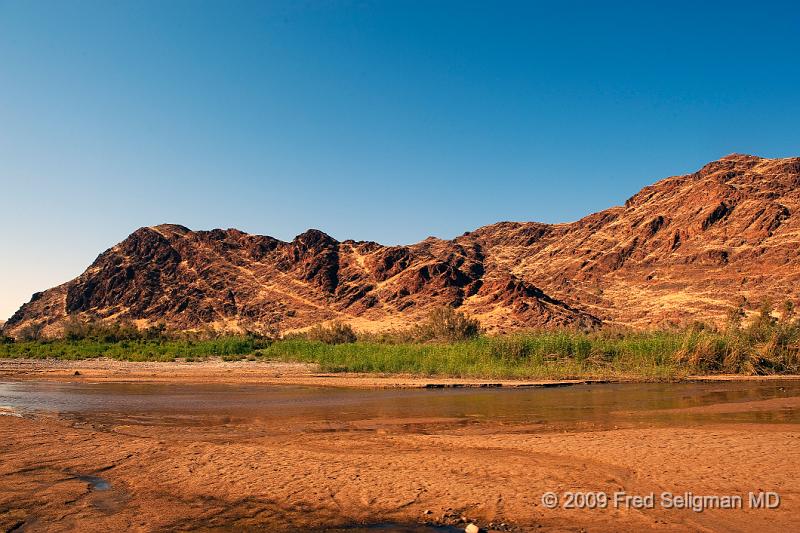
(286, 409)
(96, 482)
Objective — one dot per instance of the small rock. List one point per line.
(472, 528)
(427, 511)
(76, 373)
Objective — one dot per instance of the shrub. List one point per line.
(764, 345)
(334, 333)
(447, 324)
(31, 332)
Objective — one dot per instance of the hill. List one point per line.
(686, 248)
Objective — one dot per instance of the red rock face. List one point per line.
(687, 248)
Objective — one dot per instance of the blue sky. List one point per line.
(386, 121)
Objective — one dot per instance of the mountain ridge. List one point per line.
(685, 248)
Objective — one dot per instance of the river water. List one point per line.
(285, 409)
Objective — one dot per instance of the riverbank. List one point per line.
(217, 370)
(766, 346)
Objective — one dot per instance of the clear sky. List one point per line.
(386, 121)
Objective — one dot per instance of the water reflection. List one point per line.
(277, 409)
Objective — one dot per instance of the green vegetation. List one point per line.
(446, 324)
(763, 348)
(449, 344)
(560, 354)
(229, 348)
(336, 333)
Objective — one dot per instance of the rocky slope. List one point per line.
(686, 248)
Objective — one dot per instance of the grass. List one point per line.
(555, 355)
(450, 345)
(229, 348)
(654, 355)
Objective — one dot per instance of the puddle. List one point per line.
(97, 483)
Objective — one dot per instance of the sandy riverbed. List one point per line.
(409, 470)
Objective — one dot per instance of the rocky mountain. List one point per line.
(686, 248)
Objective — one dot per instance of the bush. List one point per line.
(764, 345)
(77, 329)
(334, 333)
(447, 324)
(443, 324)
(31, 332)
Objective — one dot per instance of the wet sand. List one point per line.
(151, 469)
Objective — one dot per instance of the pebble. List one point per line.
(472, 528)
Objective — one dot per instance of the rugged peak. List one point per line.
(170, 230)
(313, 239)
(755, 169)
(741, 157)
